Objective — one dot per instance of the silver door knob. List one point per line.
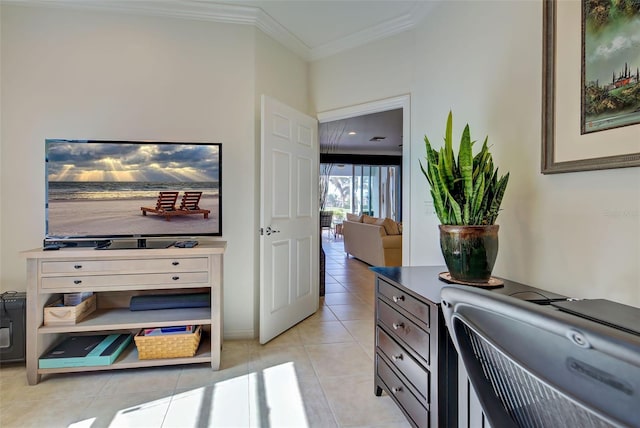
(270, 231)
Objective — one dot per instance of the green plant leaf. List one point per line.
(500, 188)
(431, 158)
(465, 163)
(480, 160)
(455, 211)
(438, 193)
(465, 188)
(476, 200)
(447, 161)
(439, 207)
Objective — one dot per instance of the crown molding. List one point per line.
(378, 32)
(278, 32)
(185, 9)
(200, 10)
(203, 10)
(371, 34)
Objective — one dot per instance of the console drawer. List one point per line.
(125, 266)
(410, 368)
(91, 281)
(404, 329)
(411, 405)
(403, 300)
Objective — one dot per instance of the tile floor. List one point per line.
(318, 374)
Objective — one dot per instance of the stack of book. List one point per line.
(90, 350)
(74, 299)
(163, 331)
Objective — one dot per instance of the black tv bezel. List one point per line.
(145, 240)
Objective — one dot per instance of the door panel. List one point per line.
(281, 205)
(305, 204)
(289, 242)
(304, 280)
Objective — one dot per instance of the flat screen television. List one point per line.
(121, 193)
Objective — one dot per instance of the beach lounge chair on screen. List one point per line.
(190, 204)
(166, 205)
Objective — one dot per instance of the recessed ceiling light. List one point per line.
(352, 133)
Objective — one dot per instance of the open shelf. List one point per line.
(129, 359)
(123, 318)
(115, 277)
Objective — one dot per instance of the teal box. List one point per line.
(82, 351)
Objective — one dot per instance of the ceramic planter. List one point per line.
(469, 251)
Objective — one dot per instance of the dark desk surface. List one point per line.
(424, 281)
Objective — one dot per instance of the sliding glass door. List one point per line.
(364, 189)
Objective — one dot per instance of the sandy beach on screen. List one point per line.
(124, 217)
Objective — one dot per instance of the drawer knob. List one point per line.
(397, 325)
(397, 357)
(398, 299)
(175, 278)
(77, 266)
(175, 263)
(77, 281)
(396, 389)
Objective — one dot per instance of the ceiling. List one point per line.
(313, 29)
(335, 138)
(331, 26)
(326, 27)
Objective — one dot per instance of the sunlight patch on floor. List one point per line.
(87, 423)
(139, 415)
(277, 401)
(266, 398)
(220, 405)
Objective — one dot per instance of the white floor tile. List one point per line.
(317, 374)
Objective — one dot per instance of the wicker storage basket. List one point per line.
(168, 346)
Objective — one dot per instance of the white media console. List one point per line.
(115, 276)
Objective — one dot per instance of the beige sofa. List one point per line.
(371, 244)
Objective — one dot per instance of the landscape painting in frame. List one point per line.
(610, 64)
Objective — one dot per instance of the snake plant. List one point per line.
(466, 191)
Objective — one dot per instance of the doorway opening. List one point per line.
(365, 161)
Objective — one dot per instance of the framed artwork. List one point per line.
(610, 64)
(568, 63)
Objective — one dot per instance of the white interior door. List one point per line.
(289, 222)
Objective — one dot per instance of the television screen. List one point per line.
(135, 189)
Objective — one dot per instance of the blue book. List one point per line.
(163, 331)
(169, 301)
(80, 351)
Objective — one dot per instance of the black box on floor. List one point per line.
(12, 326)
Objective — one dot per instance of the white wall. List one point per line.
(79, 74)
(1, 138)
(281, 75)
(576, 234)
(376, 71)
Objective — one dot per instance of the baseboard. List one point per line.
(239, 335)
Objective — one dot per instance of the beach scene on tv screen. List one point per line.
(99, 189)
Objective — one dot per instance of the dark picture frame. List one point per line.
(549, 162)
